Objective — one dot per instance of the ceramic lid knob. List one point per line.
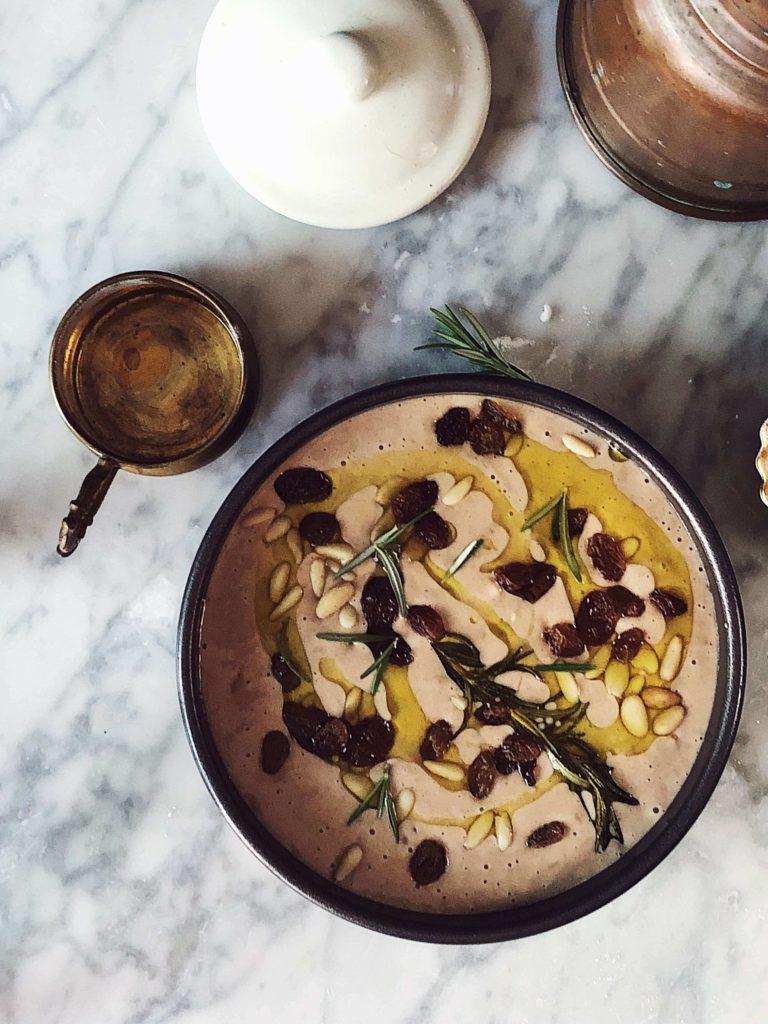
(339, 68)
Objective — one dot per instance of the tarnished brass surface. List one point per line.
(156, 375)
(673, 97)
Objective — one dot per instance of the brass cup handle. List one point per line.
(85, 506)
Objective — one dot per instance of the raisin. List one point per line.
(331, 739)
(378, 603)
(670, 603)
(453, 427)
(522, 748)
(547, 835)
(413, 500)
(299, 486)
(577, 520)
(524, 580)
(435, 531)
(275, 748)
(303, 722)
(486, 437)
(505, 763)
(283, 673)
(492, 714)
(605, 551)
(370, 741)
(627, 644)
(528, 772)
(564, 640)
(597, 617)
(497, 414)
(426, 621)
(319, 528)
(436, 742)
(625, 602)
(481, 775)
(428, 862)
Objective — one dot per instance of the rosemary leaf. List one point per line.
(559, 666)
(462, 557)
(461, 333)
(565, 537)
(353, 638)
(542, 512)
(378, 666)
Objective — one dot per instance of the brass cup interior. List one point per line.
(153, 372)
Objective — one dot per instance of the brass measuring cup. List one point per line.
(156, 375)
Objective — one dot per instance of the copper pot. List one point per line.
(673, 96)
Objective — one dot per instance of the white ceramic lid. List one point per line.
(344, 113)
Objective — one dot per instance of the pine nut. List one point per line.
(538, 554)
(459, 491)
(630, 546)
(317, 573)
(278, 581)
(514, 445)
(359, 786)
(350, 859)
(404, 802)
(448, 770)
(502, 826)
(257, 516)
(333, 600)
(659, 697)
(290, 601)
(579, 446)
(340, 553)
(568, 686)
(616, 678)
(459, 702)
(389, 489)
(600, 660)
(352, 703)
(479, 830)
(673, 657)
(636, 684)
(646, 660)
(293, 540)
(669, 721)
(634, 716)
(277, 529)
(347, 617)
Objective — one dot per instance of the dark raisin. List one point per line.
(577, 520)
(275, 748)
(302, 722)
(492, 714)
(625, 602)
(453, 427)
(529, 581)
(428, 862)
(481, 775)
(402, 654)
(436, 742)
(500, 416)
(299, 486)
(670, 603)
(528, 772)
(370, 741)
(283, 673)
(426, 621)
(627, 644)
(522, 748)
(486, 437)
(378, 603)
(435, 531)
(414, 499)
(547, 835)
(564, 640)
(605, 551)
(319, 528)
(505, 763)
(596, 618)
(331, 739)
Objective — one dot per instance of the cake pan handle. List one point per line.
(85, 506)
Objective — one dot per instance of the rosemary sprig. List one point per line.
(386, 542)
(558, 505)
(462, 557)
(353, 638)
(461, 333)
(391, 566)
(378, 667)
(582, 767)
(380, 797)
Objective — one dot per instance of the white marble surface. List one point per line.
(123, 895)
